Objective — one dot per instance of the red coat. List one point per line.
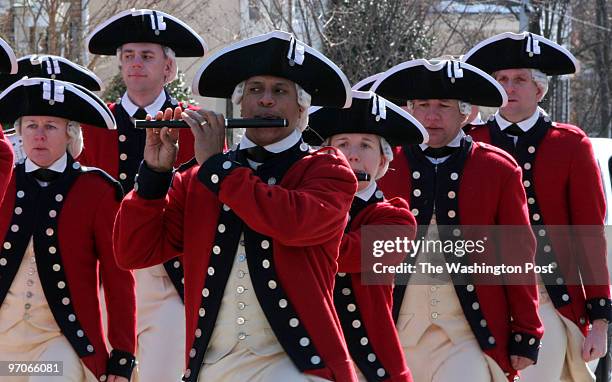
(373, 303)
(496, 198)
(567, 190)
(294, 223)
(72, 243)
(6, 163)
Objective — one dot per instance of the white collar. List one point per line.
(59, 165)
(152, 109)
(276, 147)
(524, 125)
(456, 142)
(367, 192)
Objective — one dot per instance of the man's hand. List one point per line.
(161, 147)
(596, 342)
(519, 363)
(208, 129)
(116, 378)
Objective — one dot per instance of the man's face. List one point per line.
(441, 118)
(523, 93)
(363, 153)
(144, 67)
(270, 97)
(45, 138)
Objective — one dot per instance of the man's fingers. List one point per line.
(159, 115)
(168, 113)
(177, 113)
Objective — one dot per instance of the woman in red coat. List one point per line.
(365, 311)
(56, 222)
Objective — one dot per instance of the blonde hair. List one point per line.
(75, 134)
(303, 99)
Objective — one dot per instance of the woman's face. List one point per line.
(363, 153)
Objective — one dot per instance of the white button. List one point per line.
(454, 176)
(241, 336)
(351, 307)
(241, 305)
(122, 138)
(542, 232)
(265, 244)
(470, 287)
(547, 248)
(527, 166)
(240, 289)
(20, 194)
(52, 250)
(315, 360)
(226, 165)
(378, 194)
(451, 195)
(346, 291)
(202, 312)
(3, 261)
(536, 217)
(553, 264)
(602, 302)
(176, 264)
(56, 267)
(433, 288)
(532, 341)
(415, 211)
(416, 175)
(483, 323)
(65, 301)
(14, 228)
(198, 333)
(304, 341)
(272, 181)
(216, 249)
(356, 324)
(71, 318)
(531, 201)
(49, 231)
(491, 340)
(123, 176)
(7, 245)
(123, 156)
(371, 357)
(282, 303)
(90, 348)
(457, 232)
(518, 338)
(294, 322)
(226, 208)
(265, 263)
(340, 274)
(451, 214)
(272, 284)
(526, 183)
(52, 213)
(364, 341)
(103, 378)
(304, 147)
(560, 281)
(434, 315)
(80, 333)
(214, 178)
(59, 197)
(241, 274)
(221, 228)
(18, 210)
(240, 320)
(211, 271)
(416, 192)
(475, 306)
(61, 285)
(531, 149)
(122, 361)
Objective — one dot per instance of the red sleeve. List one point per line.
(307, 215)
(392, 213)
(523, 299)
(587, 207)
(150, 232)
(6, 163)
(119, 285)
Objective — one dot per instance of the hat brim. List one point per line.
(398, 126)
(135, 25)
(267, 55)
(422, 79)
(510, 51)
(25, 97)
(365, 84)
(8, 60)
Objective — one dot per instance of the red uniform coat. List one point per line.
(293, 223)
(565, 189)
(6, 163)
(373, 303)
(73, 249)
(481, 188)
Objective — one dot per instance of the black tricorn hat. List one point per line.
(368, 114)
(8, 60)
(53, 67)
(525, 50)
(276, 54)
(444, 79)
(44, 96)
(145, 25)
